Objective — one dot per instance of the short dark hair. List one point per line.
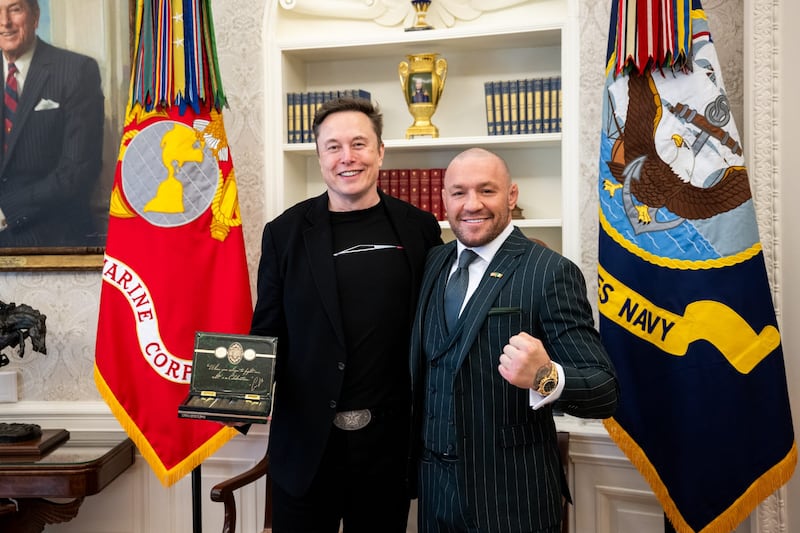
(33, 4)
(361, 105)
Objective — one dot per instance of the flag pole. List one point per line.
(197, 515)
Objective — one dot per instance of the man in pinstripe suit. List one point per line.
(484, 388)
(51, 149)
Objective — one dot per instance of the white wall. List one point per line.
(789, 169)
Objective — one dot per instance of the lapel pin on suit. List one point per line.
(496, 275)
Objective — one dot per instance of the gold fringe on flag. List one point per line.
(727, 521)
(167, 476)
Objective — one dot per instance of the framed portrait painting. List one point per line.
(61, 132)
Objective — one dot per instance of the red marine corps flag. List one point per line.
(175, 259)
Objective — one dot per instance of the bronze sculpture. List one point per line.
(17, 323)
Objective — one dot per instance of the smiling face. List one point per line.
(478, 196)
(350, 158)
(18, 23)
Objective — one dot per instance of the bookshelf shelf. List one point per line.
(492, 142)
(445, 41)
(518, 40)
(525, 223)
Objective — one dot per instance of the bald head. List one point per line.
(478, 196)
(473, 155)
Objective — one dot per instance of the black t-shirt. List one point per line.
(374, 280)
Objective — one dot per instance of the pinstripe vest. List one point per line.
(438, 426)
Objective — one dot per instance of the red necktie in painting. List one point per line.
(10, 100)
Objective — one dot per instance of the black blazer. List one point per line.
(298, 303)
(512, 479)
(54, 155)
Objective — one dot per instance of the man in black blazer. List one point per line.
(484, 386)
(337, 284)
(50, 158)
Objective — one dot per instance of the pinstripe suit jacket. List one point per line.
(511, 479)
(54, 154)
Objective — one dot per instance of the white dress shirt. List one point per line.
(23, 64)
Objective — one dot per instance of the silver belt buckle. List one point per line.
(352, 420)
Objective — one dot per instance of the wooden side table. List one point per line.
(66, 472)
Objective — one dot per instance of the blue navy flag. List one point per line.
(685, 305)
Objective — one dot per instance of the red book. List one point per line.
(425, 189)
(404, 192)
(437, 177)
(394, 182)
(383, 181)
(413, 186)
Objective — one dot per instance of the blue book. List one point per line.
(547, 123)
(513, 106)
(488, 91)
(523, 108)
(537, 105)
(505, 88)
(497, 97)
(290, 117)
(305, 113)
(316, 101)
(554, 90)
(530, 115)
(298, 118)
(558, 108)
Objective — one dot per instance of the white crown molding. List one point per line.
(396, 12)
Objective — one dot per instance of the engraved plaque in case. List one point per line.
(232, 378)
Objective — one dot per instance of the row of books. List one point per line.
(515, 107)
(421, 187)
(301, 108)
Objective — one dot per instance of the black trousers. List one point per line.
(361, 483)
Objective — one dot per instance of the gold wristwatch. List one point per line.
(548, 383)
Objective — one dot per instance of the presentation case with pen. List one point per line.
(232, 378)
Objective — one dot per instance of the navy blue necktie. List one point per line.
(456, 288)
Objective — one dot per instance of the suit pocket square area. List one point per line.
(45, 104)
(504, 310)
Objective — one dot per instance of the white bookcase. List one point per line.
(313, 51)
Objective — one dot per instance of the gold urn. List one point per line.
(422, 78)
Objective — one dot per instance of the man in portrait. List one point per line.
(52, 135)
(420, 95)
